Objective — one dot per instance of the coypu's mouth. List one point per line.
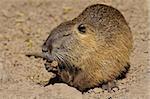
(48, 57)
(62, 61)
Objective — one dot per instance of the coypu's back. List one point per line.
(100, 14)
(104, 18)
(94, 47)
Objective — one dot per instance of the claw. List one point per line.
(51, 67)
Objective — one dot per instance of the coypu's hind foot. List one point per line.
(110, 86)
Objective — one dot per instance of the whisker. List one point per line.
(64, 60)
(59, 58)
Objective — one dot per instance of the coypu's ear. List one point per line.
(82, 28)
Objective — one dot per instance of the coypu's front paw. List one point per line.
(51, 67)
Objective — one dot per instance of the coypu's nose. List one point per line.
(46, 48)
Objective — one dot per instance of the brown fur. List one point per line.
(98, 56)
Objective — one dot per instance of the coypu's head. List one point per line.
(98, 32)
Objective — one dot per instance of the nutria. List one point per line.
(92, 49)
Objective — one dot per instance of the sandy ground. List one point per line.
(25, 24)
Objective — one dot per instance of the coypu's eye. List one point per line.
(82, 28)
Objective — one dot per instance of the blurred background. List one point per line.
(25, 24)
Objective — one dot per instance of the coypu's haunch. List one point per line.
(91, 49)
